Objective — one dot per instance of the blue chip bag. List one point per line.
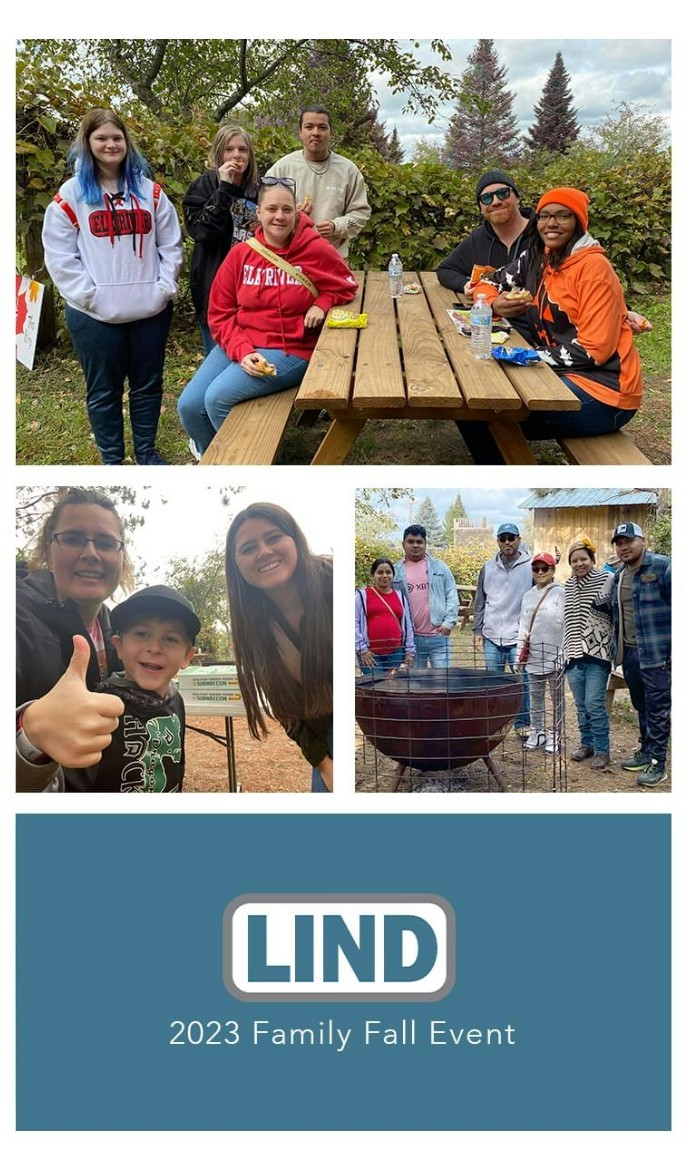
(522, 356)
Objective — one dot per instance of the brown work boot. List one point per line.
(600, 761)
(583, 752)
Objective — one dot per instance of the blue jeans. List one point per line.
(220, 384)
(588, 683)
(318, 784)
(594, 419)
(109, 353)
(433, 649)
(650, 690)
(388, 659)
(496, 660)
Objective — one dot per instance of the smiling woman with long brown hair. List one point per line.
(281, 615)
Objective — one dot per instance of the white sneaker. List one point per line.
(194, 450)
(551, 744)
(534, 740)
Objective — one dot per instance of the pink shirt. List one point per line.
(418, 596)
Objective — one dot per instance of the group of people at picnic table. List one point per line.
(270, 261)
(525, 622)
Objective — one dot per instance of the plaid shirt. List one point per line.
(651, 590)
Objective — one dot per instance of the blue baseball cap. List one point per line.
(508, 528)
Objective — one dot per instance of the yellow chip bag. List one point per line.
(346, 320)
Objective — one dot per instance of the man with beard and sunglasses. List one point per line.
(497, 241)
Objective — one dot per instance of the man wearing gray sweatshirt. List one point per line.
(501, 585)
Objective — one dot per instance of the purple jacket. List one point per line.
(361, 636)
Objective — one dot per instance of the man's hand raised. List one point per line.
(70, 724)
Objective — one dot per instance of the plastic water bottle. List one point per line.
(481, 328)
(396, 276)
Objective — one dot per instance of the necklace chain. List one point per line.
(319, 170)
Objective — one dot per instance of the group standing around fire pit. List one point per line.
(599, 620)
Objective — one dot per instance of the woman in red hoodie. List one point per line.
(575, 316)
(267, 304)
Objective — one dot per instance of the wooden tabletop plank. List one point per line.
(429, 379)
(378, 376)
(483, 382)
(539, 387)
(328, 378)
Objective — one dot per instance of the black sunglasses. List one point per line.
(501, 193)
(272, 180)
(507, 537)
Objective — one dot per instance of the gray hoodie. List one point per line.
(500, 589)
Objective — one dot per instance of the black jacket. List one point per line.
(147, 752)
(482, 247)
(217, 216)
(45, 628)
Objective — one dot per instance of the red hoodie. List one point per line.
(254, 305)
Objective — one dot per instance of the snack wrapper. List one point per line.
(346, 320)
(521, 356)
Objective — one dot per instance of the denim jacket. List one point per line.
(651, 590)
(443, 596)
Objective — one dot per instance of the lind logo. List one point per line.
(373, 947)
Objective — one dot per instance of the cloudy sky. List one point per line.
(603, 74)
(494, 505)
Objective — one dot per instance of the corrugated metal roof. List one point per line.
(580, 498)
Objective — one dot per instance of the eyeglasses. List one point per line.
(74, 540)
(272, 180)
(542, 569)
(560, 217)
(507, 537)
(501, 193)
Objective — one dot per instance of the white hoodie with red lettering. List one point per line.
(119, 260)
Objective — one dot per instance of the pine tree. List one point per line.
(483, 132)
(455, 510)
(395, 149)
(428, 516)
(556, 125)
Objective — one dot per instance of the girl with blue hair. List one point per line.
(113, 248)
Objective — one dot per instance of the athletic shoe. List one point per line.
(535, 740)
(195, 451)
(638, 761)
(583, 752)
(552, 743)
(653, 774)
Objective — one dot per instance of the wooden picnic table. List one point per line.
(411, 363)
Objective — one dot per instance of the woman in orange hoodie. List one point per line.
(574, 314)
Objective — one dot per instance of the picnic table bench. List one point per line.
(409, 363)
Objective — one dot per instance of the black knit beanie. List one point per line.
(495, 176)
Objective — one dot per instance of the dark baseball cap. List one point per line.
(508, 528)
(157, 600)
(627, 529)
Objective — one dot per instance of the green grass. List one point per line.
(53, 427)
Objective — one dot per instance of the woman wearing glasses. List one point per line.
(78, 562)
(267, 304)
(574, 314)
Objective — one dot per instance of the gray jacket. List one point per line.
(501, 586)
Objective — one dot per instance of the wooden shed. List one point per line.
(562, 515)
